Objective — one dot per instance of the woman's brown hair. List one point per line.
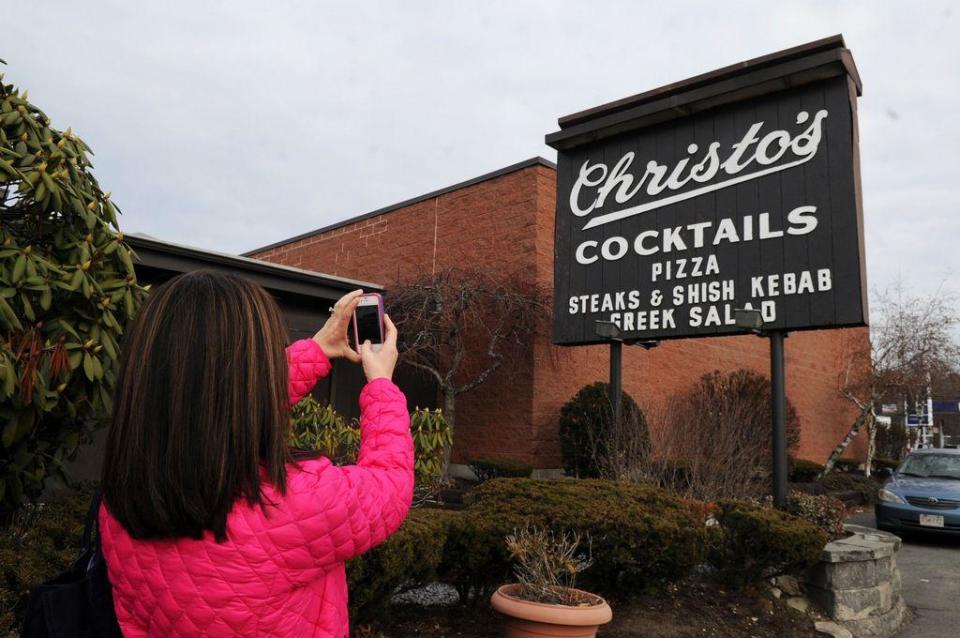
(200, 403)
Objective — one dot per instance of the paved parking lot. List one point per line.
(930, 566)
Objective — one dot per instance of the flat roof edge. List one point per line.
(141, 243)
(527, 163)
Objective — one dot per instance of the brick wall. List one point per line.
(505, 224)
(487, 225)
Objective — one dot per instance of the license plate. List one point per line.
(931, 520)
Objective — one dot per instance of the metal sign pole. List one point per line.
(616, 378)
(779, 396)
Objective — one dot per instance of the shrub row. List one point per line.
(803, 471)
(486, 469)
(757, 542)
(639, 537)
(865, 486)
(846, 465)
(410, 558)
(883, 463)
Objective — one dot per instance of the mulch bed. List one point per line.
(696, 610)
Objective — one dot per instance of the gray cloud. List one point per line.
(231, 125)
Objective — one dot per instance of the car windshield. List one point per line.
(945, 466)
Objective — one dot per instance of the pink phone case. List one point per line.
(356, 336)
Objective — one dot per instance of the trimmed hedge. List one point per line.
(847, 465)
(486, 469)
(803, 471)
(883, 463)
(865, 486)
(757, 542)
(411, 557)
(639, 535)
(822, 510)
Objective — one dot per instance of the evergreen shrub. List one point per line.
(590, 441)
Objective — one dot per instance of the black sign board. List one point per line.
(738, 188)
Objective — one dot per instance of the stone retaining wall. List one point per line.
(857, 583)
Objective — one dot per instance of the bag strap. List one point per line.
(91, 521)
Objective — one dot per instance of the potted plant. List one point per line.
(544, 602)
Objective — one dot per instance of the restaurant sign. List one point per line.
(737, 189)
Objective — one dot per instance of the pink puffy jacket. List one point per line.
(281, 574)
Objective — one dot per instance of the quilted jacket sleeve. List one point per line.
(307, 364)
(341, 512)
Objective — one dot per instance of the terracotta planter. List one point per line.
(525, 619)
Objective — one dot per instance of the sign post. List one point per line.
(611, 331)
(616, 379)
(779, 397)
(736, 189)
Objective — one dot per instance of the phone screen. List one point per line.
(368, 324)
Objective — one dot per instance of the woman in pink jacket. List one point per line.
(211, 525)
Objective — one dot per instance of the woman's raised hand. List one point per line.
(379, 363)
(332, 337)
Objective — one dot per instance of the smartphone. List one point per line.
(368, 320)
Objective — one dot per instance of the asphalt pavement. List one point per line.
(930, 567)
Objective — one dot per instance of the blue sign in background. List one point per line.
(949, 407)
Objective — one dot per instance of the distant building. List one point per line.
(504, 221)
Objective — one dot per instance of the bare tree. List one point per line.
(460, 326)
(712, 441)
(912, 343)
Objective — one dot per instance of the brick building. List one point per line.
(504, 221)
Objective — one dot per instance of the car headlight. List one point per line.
(888, 496)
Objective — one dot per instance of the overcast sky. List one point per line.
(229, 125)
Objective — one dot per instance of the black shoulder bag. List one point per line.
(77, 603)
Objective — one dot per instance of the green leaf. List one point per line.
(108, 346)
(88, 368)
(68, 328)
(125, 259)
(10, 381)
(70, 443)
(97, 367)
(19, 268)
(24, 424)
(9, 315)
(9, 432)
(27, 308)
(8, 168)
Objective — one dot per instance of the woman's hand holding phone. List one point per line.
(332, 337)
(379, 363)
(333, 340)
